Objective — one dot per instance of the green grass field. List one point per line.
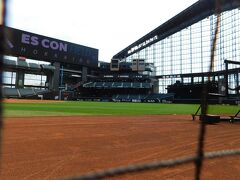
(75, 108)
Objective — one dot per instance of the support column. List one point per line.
(181, 59)
(226, 78)
(19, 83)
(192, 80)
(84, 73)
(49, 81)
(191, 55)
(155, 86)
(55, 79)
(201, 48)
(237, 78)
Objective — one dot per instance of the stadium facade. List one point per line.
(176, 56)
(180, 49)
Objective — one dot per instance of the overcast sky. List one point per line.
(107, 25)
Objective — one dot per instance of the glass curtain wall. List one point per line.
(9, 79)
(188, 51)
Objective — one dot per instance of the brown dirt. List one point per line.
(55, 147)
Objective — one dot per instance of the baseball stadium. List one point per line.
(164, 107)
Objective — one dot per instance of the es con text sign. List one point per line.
(42, 48)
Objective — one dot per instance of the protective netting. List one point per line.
(200, 155)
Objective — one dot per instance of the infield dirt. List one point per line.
(56, 147)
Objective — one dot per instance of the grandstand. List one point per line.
(127, 84)
(23, 92)
(15, 86)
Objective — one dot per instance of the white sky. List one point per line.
(107, 25)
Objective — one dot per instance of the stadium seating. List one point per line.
(26, 92)
(146, 85)
(47, 67)
(10, 92)
(159, 97)
(128, 97)
(88, 85)
(8, 62)
(98, 84)
(108, 84)
(21, 92)
(117, 84)
(111, 84)
(136, 85)
(127, 84)
(40, 91)
(34, 66)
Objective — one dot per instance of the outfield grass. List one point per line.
(75, 108)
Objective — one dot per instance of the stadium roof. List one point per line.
(196, 12)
